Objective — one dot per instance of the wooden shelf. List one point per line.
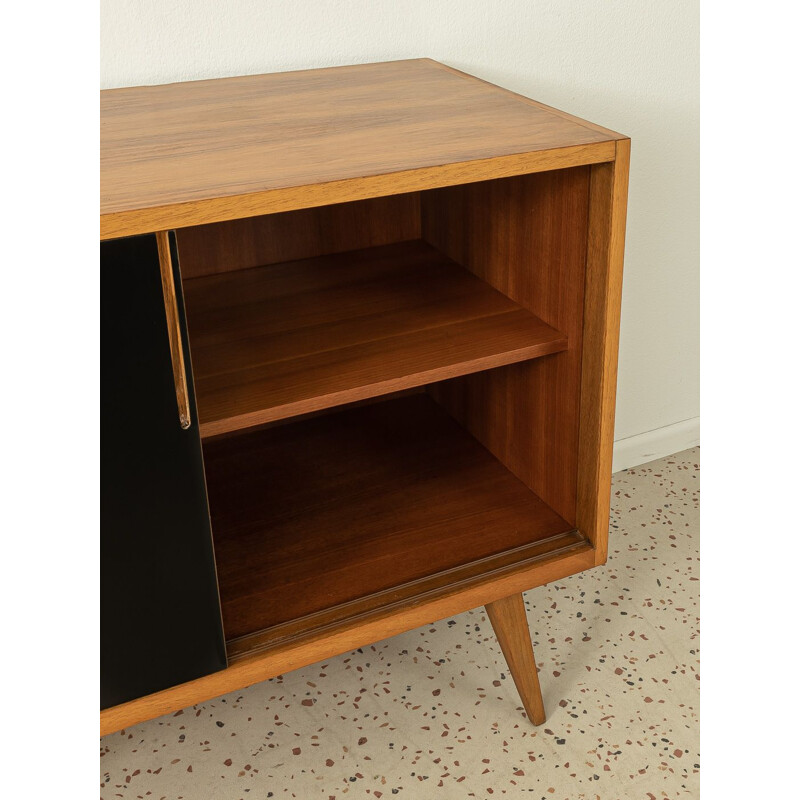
(333, 516)
(287, 339)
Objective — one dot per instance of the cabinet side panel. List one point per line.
(292, 235)
(526, 236)
(608, 207)
(160, 616)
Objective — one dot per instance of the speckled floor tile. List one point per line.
(434, 712)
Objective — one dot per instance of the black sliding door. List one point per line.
(160, 614)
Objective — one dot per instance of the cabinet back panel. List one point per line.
(292, 235)
(527, 237)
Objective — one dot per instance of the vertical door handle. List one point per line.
(174, 329)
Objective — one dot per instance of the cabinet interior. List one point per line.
(388, 394)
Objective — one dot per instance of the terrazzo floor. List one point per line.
(434, 713)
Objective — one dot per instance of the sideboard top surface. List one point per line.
(203, 151)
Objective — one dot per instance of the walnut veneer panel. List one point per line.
(292, 235)
(527, 236)
(188, 153)
(310, 516)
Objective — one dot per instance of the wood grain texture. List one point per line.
(192, 153)
(217, 209)
(526, 236)
(173, 330)
(510, 624)
(411, 592)
(291, 338)
(292, 235)
(316, 515)
(549, 109)
(603, 298)
(260, 665)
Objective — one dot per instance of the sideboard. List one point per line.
(359, 342)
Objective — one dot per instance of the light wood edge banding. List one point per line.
(174, 330)
(250, 669)
(608, 196)
(114, 224)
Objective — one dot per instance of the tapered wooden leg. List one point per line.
(510, 625)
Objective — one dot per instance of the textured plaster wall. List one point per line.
(631, 65)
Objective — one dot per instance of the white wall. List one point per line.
(631, 65)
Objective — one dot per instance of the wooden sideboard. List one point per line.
(359, 343)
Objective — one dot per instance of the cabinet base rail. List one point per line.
(492, 591)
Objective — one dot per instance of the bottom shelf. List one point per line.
(335, 516)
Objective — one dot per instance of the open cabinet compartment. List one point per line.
(449, 324)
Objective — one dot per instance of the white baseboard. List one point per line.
(655, 444)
